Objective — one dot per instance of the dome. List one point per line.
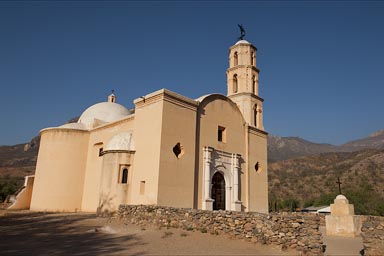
(121, 141)
(101, 113)
(242, 42)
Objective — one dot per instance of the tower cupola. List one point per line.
(242, 74)
(243, 82)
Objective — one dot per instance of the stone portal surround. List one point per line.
(289, 230)
(227, 164)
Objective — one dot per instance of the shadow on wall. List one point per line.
(106, 206)
(56, 234)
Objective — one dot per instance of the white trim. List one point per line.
(227, 164)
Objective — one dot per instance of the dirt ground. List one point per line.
(30, 233)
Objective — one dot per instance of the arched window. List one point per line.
(124, 176)
(235, 59)
(253, 84)
(253, 62)
(255, 115)
(235, 85)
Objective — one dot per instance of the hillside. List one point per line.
(312, 180)
(16, 162)
(19, 160)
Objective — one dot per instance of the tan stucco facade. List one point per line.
(207, 153)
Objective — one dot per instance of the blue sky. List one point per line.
(321, 62)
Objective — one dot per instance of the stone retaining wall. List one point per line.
(372, 232)
(289, 230)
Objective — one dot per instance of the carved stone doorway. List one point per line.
(218, 191)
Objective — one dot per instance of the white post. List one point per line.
(235, 178)
(207, 201)
(236, 170)
(207, 176)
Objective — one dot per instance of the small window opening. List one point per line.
(253, 62)
(142, 187)
(235, 59)
(100, 151)
(124, 176)
(221, 134)
(258, 168)
(235, 85)
(178, 150)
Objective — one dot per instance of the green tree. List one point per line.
(291, 204)
(8, 186)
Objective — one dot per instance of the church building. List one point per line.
(208, 153)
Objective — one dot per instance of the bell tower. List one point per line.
(243, 82)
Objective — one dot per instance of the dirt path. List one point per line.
(28, 233)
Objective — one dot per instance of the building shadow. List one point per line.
(61, 234)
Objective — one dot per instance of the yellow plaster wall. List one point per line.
(147, 136)
(99, 138)
(59, 175)
(176, 180)
(218, 111)
(258, 182)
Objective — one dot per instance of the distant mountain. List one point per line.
(282, 148)
(375, 140)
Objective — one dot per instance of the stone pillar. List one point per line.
(236, 205)
(235, 177)
(207, 200)
(342, 221)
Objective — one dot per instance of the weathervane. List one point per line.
(242, 31)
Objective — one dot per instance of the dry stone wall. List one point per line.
(289, 230)
(372, 232)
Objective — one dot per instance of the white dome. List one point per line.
(101, 113)
(121, 141)
(242, 42)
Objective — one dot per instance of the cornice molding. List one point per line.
(242, 44)
(62, 129)
(243, 66)
(246, 94)
(168, 96)
(254, 130)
